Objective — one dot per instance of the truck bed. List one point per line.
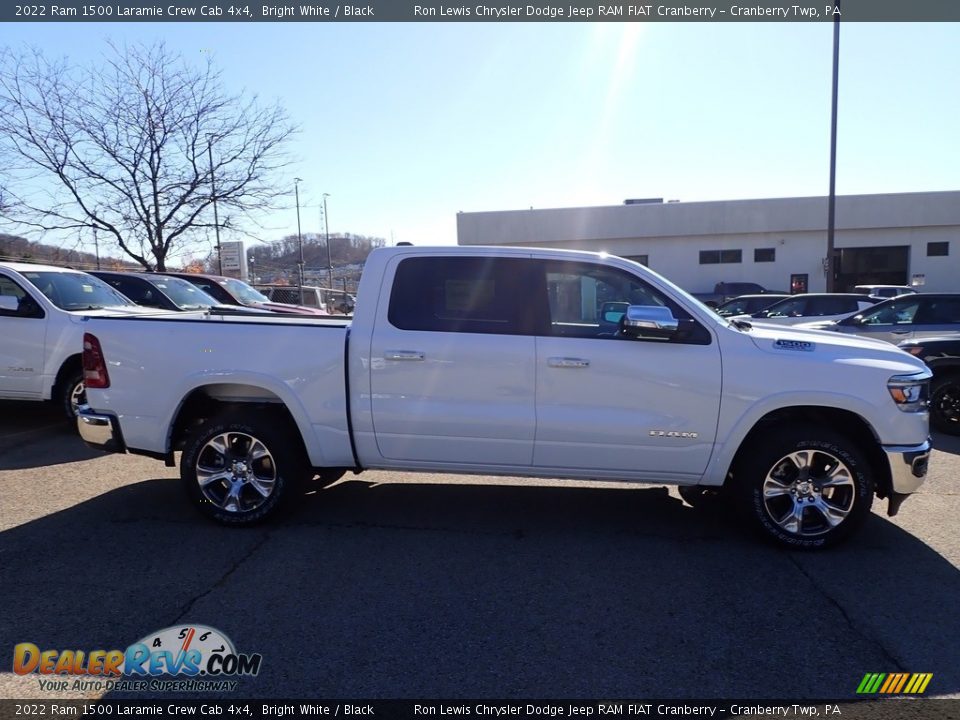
(267, 359)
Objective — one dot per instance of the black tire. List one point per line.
(70, 393)
(261, 462)
(945, 404)
(803, 509)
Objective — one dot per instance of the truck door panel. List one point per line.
(22, 350)
(619, 404)
(452, 363)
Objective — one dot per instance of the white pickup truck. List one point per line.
(518, 362)
(41, 309)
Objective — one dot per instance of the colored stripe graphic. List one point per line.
(894, 683)
(903, 681)
(891, 681)
(870, 683)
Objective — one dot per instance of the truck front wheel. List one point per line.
(71, 394)
(241, 467)
(804, 487)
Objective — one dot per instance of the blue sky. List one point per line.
(405, 124)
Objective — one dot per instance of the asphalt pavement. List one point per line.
(413, 586)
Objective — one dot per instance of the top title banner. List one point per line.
(455, 11)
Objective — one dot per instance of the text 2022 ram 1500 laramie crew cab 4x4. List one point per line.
(512, 361)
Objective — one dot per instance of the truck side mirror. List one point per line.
(9, 303)
(649, 321)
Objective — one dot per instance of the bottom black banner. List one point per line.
(892, 709)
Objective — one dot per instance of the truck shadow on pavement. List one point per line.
(25, 425)
(456, 591)
(58, 444)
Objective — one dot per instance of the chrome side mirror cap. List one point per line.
(649, 321)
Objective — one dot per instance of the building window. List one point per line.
(938, 249)
(642, 259)
(715, 257)
(764, 254)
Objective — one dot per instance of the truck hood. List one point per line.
(833, 346)
(819, 325)
(291, 309)
(121, 310)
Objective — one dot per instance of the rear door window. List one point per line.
(465, 295)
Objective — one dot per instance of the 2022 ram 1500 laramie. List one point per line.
(535, 363)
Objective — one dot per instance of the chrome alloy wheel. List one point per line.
(809, 492)
(236, 472)
(946, 405)
(78, 397)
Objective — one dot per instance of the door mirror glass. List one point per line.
(649, 321)
(614, 311)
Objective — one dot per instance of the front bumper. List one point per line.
(908, 469)
(101, 432)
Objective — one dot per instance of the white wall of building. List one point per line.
(672, 235)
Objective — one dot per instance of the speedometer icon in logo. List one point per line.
(190, 637)
(189, 650)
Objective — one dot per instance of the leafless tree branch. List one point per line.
(126, 147)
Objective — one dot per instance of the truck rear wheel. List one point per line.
(804, 487)
(241, 467)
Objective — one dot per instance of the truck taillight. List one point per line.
(94, 366)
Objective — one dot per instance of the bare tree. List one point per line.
(126, 147)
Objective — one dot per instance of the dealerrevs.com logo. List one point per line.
(201, 657)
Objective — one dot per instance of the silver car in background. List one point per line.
(902, 318)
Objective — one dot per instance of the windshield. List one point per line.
(243, 291)
(740, 306)
(896, 312)
(185, 295)
(76, 291)
(791, 307)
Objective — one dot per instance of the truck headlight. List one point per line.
(910, 392)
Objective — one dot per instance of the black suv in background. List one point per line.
(163, 292)
(942, 356)
(749, 304)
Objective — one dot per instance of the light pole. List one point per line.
(832, 200)
(296, 192)
(213, 196)
(96, 245)
(326, 231)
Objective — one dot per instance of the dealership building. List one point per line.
(780, 243)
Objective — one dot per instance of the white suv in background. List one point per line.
(41, 308)
(884, 292)
(804, 308)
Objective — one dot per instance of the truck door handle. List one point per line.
(899, 332)
(403, 355)
(567, 362)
